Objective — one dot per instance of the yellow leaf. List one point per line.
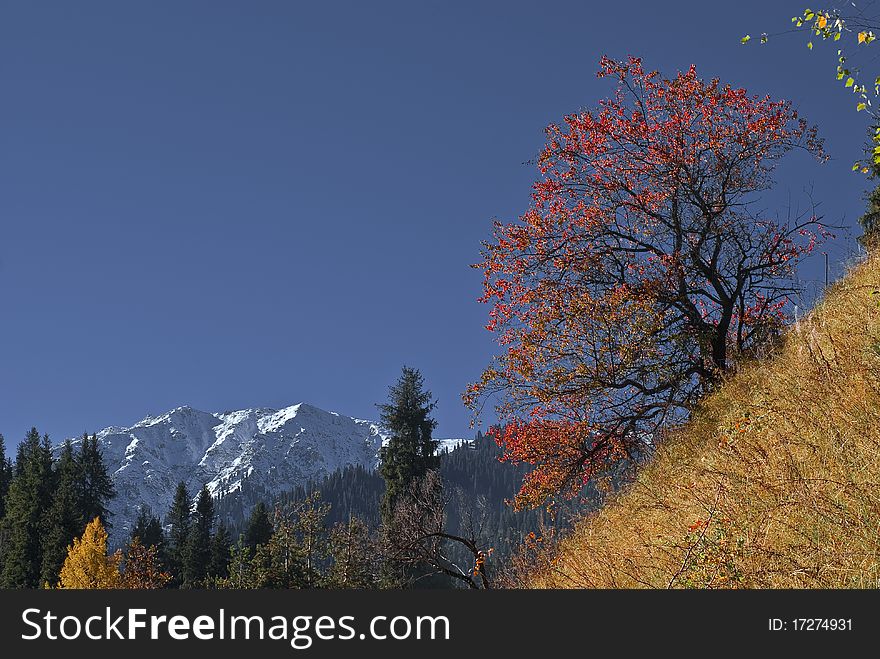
(822, 21)
(862, 37)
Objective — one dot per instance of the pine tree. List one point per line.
(411, 451)
(96, 486)
(354, 556)
(148, 532)
(148, 529)
(259, 527)
(87, 565)
(27, 501)
(6, 472)
(311, 530)
(179, 522)
(245, 569)
(62, 521)
(221, 544)
(197, 555)
(285, 565)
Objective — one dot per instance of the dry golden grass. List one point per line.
(775, 483)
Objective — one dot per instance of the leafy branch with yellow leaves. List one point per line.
(852, 26)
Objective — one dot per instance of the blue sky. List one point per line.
(230, 204)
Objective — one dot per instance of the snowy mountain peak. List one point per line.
(272, 450)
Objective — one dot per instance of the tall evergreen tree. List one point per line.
(148, 529)
(27, 501)
(63, 520)
(197, 555)
(354, 556)
(221, 545)
(149, 533)
(96, 486)
(179, 522)
(411, 451)
(245, 569)
(259, 527)
(6, 472)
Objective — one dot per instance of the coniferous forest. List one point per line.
(424, 519)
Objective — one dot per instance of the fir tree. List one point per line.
(27, 501)
(148, 532)
(148, 529)
(259, 527)
(221, 544)
(244, 568)
(285, 565)
(311, 530)
(63, 520)
(411, 451)
(96, 486)
(197, 554)
(353, 556)
(5, 476)
(297, 550)
(179, 522)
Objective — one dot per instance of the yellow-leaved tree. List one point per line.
(87, 565)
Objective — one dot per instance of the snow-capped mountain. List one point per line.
(274, 450)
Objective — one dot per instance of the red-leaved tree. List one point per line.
(641, 272)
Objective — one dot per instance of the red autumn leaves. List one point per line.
(640, 273)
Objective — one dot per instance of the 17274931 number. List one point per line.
(821, 624)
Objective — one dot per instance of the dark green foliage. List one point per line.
(325, 535)
(352, 491)
(245, 569)
(411, 450)
(295, 555)
(6, 471)
(46, 504)
(96, 487)
(29, 497)
(221, 544)
(178, 520)
(309, 524)
(197, 554)
(322, 535)
(259, 527)
(870, 221)
(475, 470)
(64, 520)
(476, 474)
(297, 549)
(148, 529)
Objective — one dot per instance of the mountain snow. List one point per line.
(274, 450)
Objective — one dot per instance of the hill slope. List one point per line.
(775, 483)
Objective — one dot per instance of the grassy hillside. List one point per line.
(775, 483)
